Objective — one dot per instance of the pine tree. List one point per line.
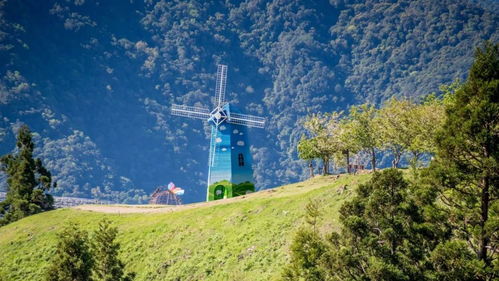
(312, 213)
(307, 252)
(307, 249)
(467, 163)
(27, 181)
(108, 267)
(73, 260)
(385, 235)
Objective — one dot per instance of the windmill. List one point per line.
(230, 173)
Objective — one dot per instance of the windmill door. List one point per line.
(219, 192)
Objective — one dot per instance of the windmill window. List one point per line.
(241, 159)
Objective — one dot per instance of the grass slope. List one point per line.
(242, 239)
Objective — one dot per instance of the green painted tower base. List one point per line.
(225, 189)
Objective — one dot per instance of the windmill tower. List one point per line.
(230, 173)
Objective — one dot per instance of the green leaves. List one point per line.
(73, 260)
(27, 180)
(107, 267)
(466, 170)
(307, 251)
(454, 261)
(400, 126)
(78, 258)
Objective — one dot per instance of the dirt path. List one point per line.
(132, 209)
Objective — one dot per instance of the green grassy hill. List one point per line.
(245, 238)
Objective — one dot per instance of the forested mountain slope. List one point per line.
(95, 80)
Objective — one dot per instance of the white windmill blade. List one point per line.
(190, 111)
(221, 84)
(247, 120)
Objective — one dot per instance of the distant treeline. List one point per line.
(401, 127)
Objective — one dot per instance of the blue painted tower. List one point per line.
(230, 165)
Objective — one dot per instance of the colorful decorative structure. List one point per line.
(230, 172)
(167, 195)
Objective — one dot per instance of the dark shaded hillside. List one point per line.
(409, 47)
(95, 80)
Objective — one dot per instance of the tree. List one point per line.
(453, 261)
(389, 230)
(107, 267)
(466, 169)
(307, 151)
(321, 144)
(408, 126)
(307, 249)
(27, 181)
(425, 120)
(312, 213)
(73, 260)
(307, 252)
(345, 137)
(364, 132)
(394, 121)
(385, 233)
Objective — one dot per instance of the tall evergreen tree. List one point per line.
(73, 260)
(467, 163)
(307, 249)
(390, 229)
(385, 235)
(27, 181)
(108, 267)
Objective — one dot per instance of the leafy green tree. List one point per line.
(364, 132)
(394, 120)
(466, 168)
(107, 267)
(312, 213)
(321, 143)
(307, 252)
(27, 181)
(425, 120)
(307, 151)
(345, 138)
(408, 126)
(72, 260)
(341, 134)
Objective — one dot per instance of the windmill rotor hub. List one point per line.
(218, 116)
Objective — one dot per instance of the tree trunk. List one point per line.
(311, 168)
(484, 237)
(373, 163)
(396, 160)
(415, 158)
(325, 164)
(348, 160)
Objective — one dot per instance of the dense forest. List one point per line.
(95, 80)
